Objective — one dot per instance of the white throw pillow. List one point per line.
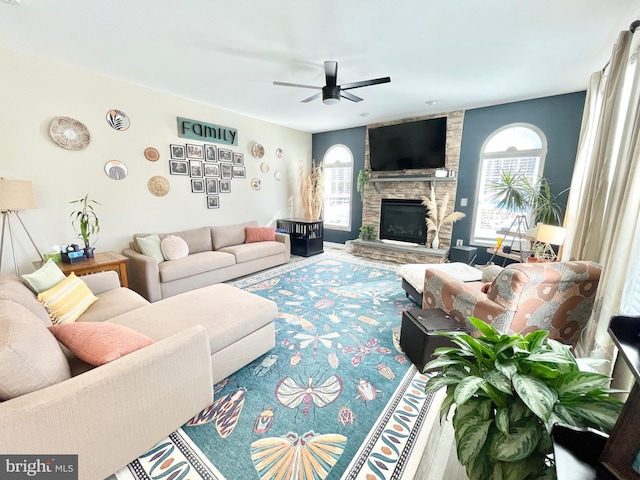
(174, 248)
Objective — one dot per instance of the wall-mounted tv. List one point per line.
(408, 146)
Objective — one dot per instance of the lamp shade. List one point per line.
(16, 195)
(551, 234)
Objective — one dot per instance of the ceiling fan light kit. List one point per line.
(332, 92)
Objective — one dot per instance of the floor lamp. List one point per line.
(15, 195)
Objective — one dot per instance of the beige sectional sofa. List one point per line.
(53, 403)
(215, 254)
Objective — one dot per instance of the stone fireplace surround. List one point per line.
(411, 185)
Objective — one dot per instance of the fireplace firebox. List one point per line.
(403, 220)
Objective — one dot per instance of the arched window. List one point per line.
(516, 148)
(338, 184)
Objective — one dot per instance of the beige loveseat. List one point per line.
(216, 254)
(54, 403)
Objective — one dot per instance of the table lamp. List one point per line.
(15, 195)
(548, 235)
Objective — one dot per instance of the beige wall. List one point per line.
(34, 91)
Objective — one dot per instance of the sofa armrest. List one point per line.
(284, 238)
(143, 275)
(112, 414)
(102, 281)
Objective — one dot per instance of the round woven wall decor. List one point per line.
(158, 186)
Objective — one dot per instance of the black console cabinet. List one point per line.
(306, 236)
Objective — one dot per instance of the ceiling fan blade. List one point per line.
(298, 85)
(365, 83)
(350, 96)
(331, 73)
(312, 97)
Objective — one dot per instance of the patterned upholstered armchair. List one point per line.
(522, 298)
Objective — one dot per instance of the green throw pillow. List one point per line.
(44, 278)
(150, 246)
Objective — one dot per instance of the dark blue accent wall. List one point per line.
(559, 117)
(354, 139)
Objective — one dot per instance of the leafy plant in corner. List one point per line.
(508, 391)
(515, 193)
(85, 221)
(364, 175)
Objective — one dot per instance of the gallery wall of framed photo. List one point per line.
(210, 168)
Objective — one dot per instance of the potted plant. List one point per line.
(508, 391)
(366, 232)
(86, 223)
(364, 175)
(515, 193)
(437, 216)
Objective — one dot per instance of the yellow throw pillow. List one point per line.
(66, 301)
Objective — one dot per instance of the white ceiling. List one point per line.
(463, 53)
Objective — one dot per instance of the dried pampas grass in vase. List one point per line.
(312, 191)
(437, 215)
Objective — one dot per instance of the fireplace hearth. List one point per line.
(403, 220)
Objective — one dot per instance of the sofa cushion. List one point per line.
(247, 252)
(198, 239)
(174, 248)
(259, 234)
(228, 235)
(194, 264)
(67, 300)
(12, 288)
(99, 343)
(150, 246)
(44, 278)
(30, 357)
(112, 303)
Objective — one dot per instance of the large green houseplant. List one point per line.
(508, 391)
(86, 223)
(515, 193)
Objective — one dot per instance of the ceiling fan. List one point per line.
(332, 92)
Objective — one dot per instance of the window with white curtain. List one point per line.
(338, 184)
(514, 148)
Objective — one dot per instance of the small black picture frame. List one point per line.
(211, 169)
(225, 186)
(195, 151)
(226, 171)
(239, 172)
(213, 202)
(178, 167)
(197, 185)
(238, 159)
(195, 169)
(177, 152)
(210, 153)
(225, 155)
(211, 186)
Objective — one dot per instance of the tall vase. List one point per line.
(436, 241)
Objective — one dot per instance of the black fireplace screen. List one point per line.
(403, 220)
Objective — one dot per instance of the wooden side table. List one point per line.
(101, 262)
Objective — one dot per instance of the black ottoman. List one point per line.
(418, 337)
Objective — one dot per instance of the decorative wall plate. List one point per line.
(255, 184)
(158, 185)
(264, 167)
(118, 119)
(69, 133)
(277, 175)
(258, 150)
(115, 169)
(151, 154)
(279, 153)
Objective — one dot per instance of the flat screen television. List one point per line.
(408, 146)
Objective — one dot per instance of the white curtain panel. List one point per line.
(604, 200)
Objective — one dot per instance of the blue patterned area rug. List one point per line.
(336, 399)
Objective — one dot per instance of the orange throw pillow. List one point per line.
(99, 343)
(259, 234)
